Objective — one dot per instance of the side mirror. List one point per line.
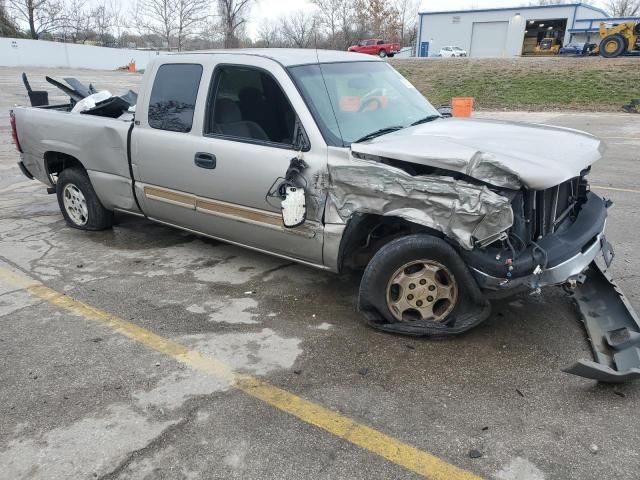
(445, 111)
(294, 208)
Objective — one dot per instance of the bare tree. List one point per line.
(77, 21)
(298, 28)
(348, 34)
(8, 28)
(408, 20)
(329, 16)
(383, 19)
(623, 8)
(339, 19)
(268, 34)
(189, 14)
(118, 21)
(42, 16)
(157, 17)
(102, 20)
(233, 15)
(212, 35)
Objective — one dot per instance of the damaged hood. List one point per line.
(504, 154)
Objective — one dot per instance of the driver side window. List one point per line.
(247, 103)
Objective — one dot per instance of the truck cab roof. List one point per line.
(289, 57)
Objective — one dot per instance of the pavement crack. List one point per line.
(31, 305)
(150, 447)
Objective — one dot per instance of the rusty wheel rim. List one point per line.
(422, 290)
(611, 46)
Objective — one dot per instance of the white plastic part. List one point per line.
(294, 208)
(89, 102)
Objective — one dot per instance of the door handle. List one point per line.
(205, 160)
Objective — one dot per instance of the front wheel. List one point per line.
(419, 285)
(613, 46)
(79, 203)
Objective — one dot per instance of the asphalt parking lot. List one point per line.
(172, 356)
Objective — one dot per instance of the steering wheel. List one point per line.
(369, 103)
(370, 99)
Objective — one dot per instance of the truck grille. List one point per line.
(555, 208)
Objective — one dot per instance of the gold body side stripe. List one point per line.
(214, 207)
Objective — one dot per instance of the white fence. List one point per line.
(18, 52)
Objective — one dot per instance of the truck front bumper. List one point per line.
(567, 271)
(569, 254)
(613, 329)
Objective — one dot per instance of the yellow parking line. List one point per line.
(396, 451)
(629, 190)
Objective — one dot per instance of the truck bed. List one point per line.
(99, 143)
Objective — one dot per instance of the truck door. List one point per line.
(220, 180)
(371, 48)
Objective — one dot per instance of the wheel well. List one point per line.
(365, 234)
(55, 162)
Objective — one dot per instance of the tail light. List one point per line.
(14, 130)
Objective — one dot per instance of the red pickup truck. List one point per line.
(376, 47)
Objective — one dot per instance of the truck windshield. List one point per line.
(352, 100)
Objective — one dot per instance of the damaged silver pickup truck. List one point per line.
(334, 160)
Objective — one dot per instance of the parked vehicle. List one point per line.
(376, 47)
(577, 49)
(548, 46)
(619, 39)
(334, 160)
(453, 52)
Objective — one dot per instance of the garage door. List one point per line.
(489, 39)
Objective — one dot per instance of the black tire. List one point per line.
(382, 53)
(613, 46)
(96, 216)
(470, 308)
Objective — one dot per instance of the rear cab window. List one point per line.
(173, 97)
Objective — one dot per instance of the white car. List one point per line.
(452, 52)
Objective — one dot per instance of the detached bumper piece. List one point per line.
(613, 328)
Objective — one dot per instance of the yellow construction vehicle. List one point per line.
(548, 46)
(619, 39)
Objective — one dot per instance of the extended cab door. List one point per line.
(218, 177)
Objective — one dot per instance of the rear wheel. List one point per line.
(613, 46)
(382, 53)
(79, 203)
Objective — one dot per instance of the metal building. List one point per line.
(507, 32)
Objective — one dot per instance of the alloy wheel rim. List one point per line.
(422, 290)
(75, 204)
